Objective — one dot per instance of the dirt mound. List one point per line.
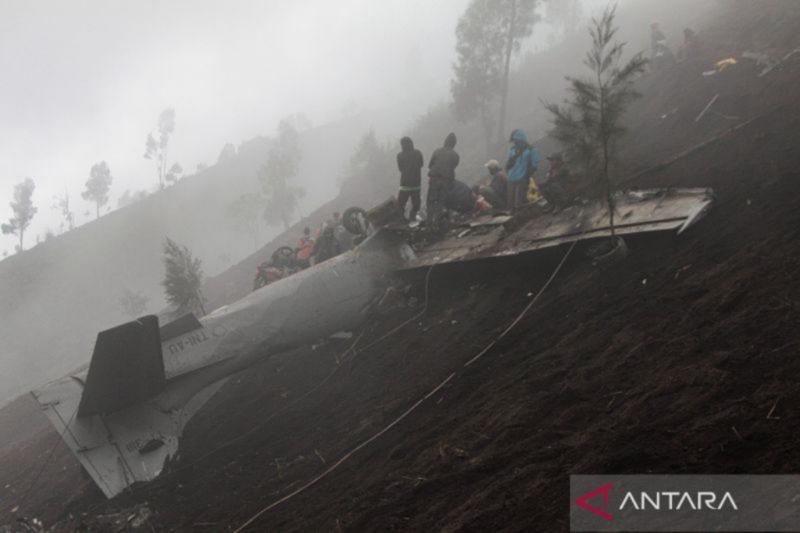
(682, 359)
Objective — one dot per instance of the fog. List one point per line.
(86, 81)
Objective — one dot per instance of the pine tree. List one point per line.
(589, 125)
(183, 278)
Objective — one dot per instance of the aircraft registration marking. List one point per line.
(195, 338)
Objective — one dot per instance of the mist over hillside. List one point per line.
(466, 386)
(56, 296)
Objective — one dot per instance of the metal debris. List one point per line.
(640, 212)
(705, 109)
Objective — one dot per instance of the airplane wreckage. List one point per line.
(123, 417)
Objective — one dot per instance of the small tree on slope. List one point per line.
(183, 278)
(589, 125)
(245, 214)
(98, 185)
(281, 197)
(23, 209)
(157, 149)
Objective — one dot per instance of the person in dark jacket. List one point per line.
(326, 245)
(441, 174)
(409, 162)
(459, 198)
(657, 39)
(553, 186)
(660, 53)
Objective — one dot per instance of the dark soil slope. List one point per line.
(669, 362)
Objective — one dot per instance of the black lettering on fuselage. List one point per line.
(194, 339)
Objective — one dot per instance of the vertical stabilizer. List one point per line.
(127, 368)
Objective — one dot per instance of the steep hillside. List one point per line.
(681, 359)
(55, 297)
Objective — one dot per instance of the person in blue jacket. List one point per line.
(521, 162)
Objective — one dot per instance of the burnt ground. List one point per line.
(669, 362)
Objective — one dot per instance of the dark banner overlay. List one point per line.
(685, 503)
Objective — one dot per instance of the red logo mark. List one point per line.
(581, 501)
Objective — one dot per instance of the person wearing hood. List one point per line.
(522, 161)
(409, 162)
(441, 175)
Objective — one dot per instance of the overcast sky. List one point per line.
(85, 80)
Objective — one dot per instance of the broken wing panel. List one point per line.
(637, 212)
(122, 448)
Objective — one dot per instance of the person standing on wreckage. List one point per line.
(522, 161)
(409, 163)
(441, 175)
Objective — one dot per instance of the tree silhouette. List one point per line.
(228, 152)
(368, 164)
(61, 203)
(183, 278)
(589, 125)
(23, 210)
(281, 198)
(98, 185)
(157, 149)
(245, 214)
(174, 174)
(487, 35)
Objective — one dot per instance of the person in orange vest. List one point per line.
(304, 247)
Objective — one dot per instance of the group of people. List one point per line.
(660, 53)
(329, 240)
(509, 186)
(515, 182)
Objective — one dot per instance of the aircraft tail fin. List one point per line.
(110, 418)
(127, 367)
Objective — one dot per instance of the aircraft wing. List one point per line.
(644, 211)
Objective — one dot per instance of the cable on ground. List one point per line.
(419, 402)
